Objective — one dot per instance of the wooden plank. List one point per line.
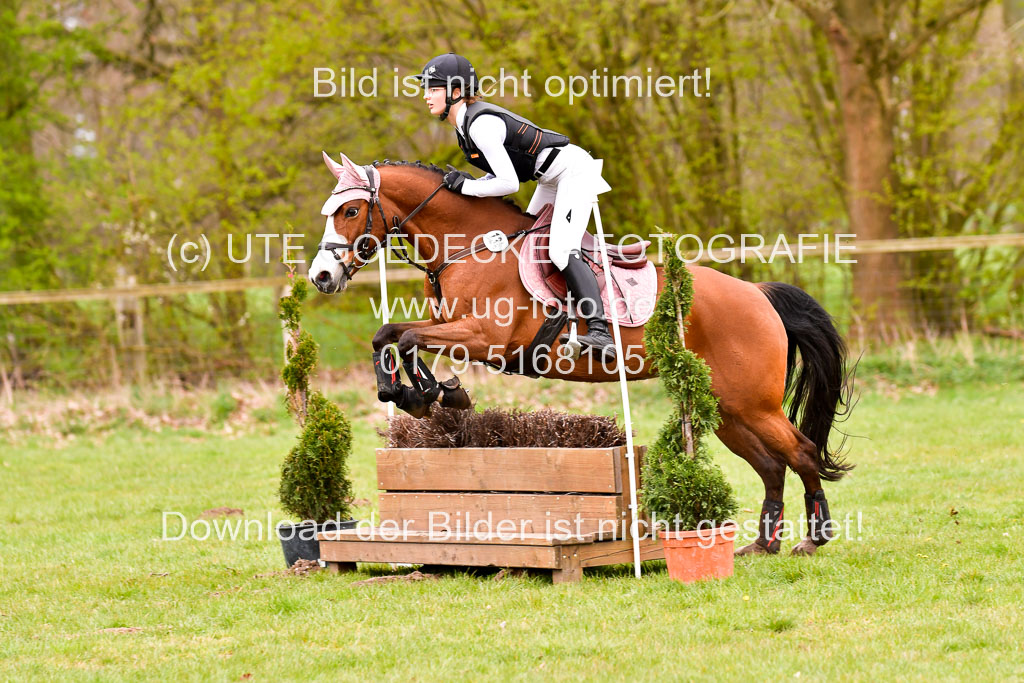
(569, 570)
(462, 554)
(561, 470)
(618, 552)
(526, 513)
(941, 243)
(51, 296)
(395, 535)
(638, 453)
(618, 460)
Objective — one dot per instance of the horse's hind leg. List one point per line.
(788, 445)
(746, 443)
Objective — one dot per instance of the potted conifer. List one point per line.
(681, 483)
(315, 486)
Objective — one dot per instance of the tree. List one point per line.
(675, 162)
(871, 42)
(31, 62)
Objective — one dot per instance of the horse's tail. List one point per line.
(820, 389)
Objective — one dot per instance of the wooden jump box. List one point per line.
(561, 509)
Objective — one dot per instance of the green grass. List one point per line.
(921, 594)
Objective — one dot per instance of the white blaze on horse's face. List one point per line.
(326, 272)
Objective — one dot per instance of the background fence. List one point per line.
(131, 333)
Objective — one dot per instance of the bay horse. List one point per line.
(747, 333)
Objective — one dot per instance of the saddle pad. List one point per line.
(636, 289)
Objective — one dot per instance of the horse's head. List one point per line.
(351, 237)
(360, 218)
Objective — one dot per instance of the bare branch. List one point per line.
(933, 27)
(818, 12)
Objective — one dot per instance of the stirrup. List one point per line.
(571, 346)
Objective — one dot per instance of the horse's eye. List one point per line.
(351, 212)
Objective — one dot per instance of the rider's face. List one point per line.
(435, 99)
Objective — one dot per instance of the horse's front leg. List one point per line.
(466, 335)
(390, 333)
(385, 367)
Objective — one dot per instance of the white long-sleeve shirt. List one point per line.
(488, 134)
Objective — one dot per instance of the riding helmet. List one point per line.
(449, 71)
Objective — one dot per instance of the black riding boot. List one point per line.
(586, 296)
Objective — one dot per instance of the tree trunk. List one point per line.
(881, 301)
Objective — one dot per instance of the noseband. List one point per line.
(364, 247)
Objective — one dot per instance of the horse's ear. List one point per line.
(346, 167)
(352, 167)
(336, 169)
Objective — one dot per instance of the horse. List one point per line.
(747, 333)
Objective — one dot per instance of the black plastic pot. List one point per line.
(298, 541)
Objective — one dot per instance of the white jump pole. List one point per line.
(621, 362)
(385, 312)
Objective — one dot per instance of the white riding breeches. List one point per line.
(572, 184)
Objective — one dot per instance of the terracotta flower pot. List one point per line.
(696, 555)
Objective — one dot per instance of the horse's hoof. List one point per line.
(752, 549)
(419, 412)
(385, 396)
(804, 547)
(388, 392)
(411, 402)
(456, 398)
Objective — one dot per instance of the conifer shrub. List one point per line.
(681, 483)
(314, 476)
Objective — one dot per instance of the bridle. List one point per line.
(363, 247)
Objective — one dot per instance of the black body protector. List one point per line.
(524, 140)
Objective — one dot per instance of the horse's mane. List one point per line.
(433, 168)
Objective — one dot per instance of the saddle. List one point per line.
(634, 277)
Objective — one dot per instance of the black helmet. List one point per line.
(450, 71)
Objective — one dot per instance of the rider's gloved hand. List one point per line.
(453, 179)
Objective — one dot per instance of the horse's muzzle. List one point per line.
(324, 282)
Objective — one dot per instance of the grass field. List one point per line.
(930, 587)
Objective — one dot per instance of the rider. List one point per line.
(511, 150)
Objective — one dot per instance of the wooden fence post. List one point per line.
(17, 377)
(131, 335)
(8, 393)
